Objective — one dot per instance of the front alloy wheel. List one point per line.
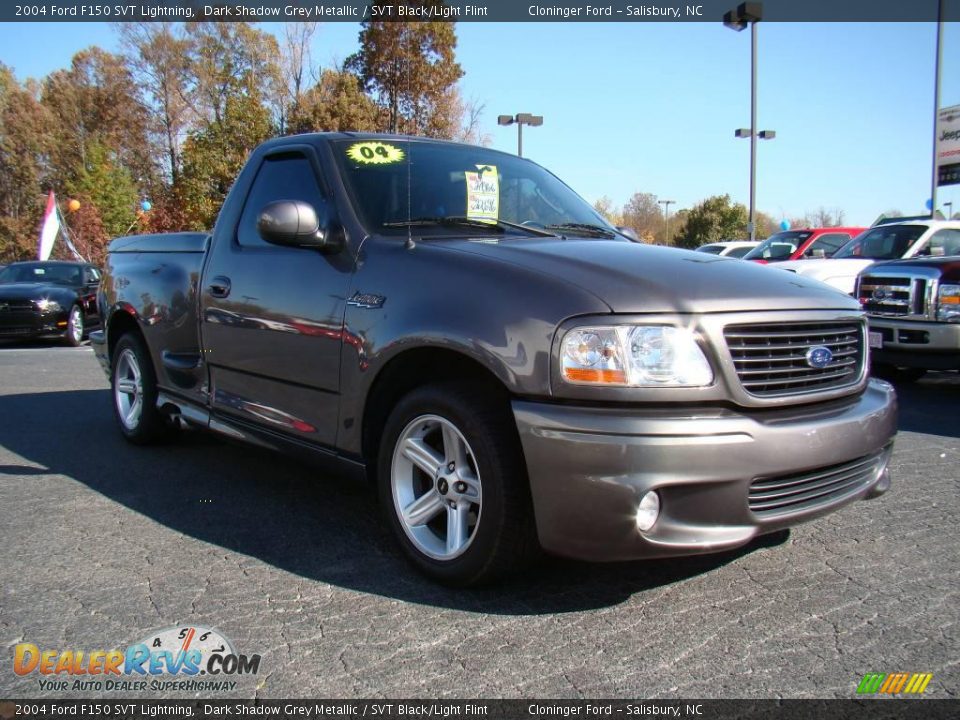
(453, 483)
(74, 334)
(437, 492)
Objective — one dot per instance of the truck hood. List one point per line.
(825, 267)
(840, 274)
(633, 278)
(945, 264)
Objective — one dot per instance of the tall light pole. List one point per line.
(666, 218)
(936, 108)
(520, 119)
(750, 13)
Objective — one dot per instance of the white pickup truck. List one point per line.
(917, 238)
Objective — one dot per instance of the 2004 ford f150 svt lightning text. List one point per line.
(513, 371)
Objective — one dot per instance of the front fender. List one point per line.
(500, 315)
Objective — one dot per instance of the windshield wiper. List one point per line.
(587, 229)
(461, 221)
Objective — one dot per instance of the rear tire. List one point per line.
(453, 485)
(133, 386)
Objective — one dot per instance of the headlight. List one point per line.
(948, 303)
(48, 305)
(634, 356)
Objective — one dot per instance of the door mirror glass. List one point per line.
(294, 223)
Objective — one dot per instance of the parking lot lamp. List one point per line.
(750, 13)
(666, 219)
(520, 119)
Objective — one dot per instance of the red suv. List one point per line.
(802, 244)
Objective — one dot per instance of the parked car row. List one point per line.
(917, 238)
(729, 248)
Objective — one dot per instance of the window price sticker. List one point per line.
(374, 153)
(483, 193)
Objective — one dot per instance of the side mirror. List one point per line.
(294, 223)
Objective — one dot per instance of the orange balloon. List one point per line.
(73, 205)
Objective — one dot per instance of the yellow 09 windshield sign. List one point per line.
(374, 153)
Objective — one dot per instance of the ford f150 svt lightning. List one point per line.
(515, 374)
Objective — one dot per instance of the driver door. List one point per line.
(272, 316)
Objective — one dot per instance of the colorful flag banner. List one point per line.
(50, 228)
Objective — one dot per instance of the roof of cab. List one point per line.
(371, 137)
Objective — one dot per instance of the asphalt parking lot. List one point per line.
(103, 543)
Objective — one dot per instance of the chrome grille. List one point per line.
(785, 493)
(771, 359)
(17, 304)
(890, 296)
(899, 295)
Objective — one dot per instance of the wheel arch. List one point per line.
(122, 320)
(413, 368)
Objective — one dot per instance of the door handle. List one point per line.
(219, 287)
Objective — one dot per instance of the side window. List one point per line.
(826, 245)
(283, 177)
(943, 242)
(90, 276)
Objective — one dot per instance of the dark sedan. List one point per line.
(48, 299)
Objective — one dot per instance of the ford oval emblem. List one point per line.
(880, 294)
(819, 357)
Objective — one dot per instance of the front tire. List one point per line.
(74, 334)
(453, 485)
(133, 385)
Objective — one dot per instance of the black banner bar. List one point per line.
(468, 11)
(854, 709)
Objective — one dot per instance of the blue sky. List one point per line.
(652, 106)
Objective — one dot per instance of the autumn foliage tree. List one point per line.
(23, 145)
(716, 218)
(410, 70)
(336, 103)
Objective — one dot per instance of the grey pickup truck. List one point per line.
(514, 373)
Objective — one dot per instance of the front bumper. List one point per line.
(917, 344)
(31, 323)
(589, 467)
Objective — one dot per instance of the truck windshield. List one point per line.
(886, 242)
(778, 247)
(442, 188)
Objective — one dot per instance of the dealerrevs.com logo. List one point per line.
(190, 658)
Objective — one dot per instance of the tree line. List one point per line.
(170, 119)
(167, 122)
(713, 219)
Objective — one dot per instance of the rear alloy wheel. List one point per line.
(134, 388)
(74, 334)
(453, 484)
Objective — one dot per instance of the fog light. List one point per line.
(648, 511)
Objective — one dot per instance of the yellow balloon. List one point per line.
(73, 205)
